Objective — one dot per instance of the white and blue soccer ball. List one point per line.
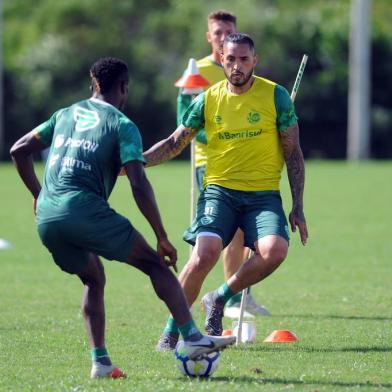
(202, 367)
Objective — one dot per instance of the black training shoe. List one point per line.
(167, 342)
(214, 315)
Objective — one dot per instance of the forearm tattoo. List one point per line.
(295, 165)
(169, 148)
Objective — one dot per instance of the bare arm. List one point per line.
(296, 172)
(145, 200)
(170, 147)
(22, 155)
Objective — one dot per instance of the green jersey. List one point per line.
(89, 143)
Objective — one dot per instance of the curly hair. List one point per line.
(106, 72)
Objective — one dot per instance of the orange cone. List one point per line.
(281, 336)
(192, 81)
(227, 332)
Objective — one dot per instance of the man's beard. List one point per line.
(239, 83)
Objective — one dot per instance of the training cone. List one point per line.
(227, 332)
(192, 82)
(281, 336)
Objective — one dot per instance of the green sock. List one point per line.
(188, 329)
(171, 326)
(223, 294)
(101, 355)
(234, 299)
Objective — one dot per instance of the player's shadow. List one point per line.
(335, 316)
(264, 381)
(354, 349)
(285, 382)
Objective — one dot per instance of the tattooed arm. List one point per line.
(169, 148)
(296, 172)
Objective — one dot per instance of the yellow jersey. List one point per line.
(242, 131)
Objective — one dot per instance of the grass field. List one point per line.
(335, 294)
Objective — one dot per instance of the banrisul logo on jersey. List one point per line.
(85, 119)
(253, 117)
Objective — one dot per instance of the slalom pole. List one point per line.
(193, 187)
(293, 94)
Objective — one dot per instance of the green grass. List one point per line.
(335, 294)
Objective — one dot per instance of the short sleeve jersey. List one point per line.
(243, 145)
(89, 143)
(214, 73)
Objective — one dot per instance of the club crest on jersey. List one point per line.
(253, 117)
(85, 119)
(218, 119)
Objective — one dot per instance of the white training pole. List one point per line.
(241, 315)
(299, 77)
(193, 187)
(250, 254)
(242, 309)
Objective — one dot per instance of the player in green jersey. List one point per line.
(220, 24)
(252, 130)
(90, 142)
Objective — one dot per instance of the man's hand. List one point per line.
(297, 218)
(167, 252)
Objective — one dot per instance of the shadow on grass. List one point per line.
(334, 316)
(294, 347)
(285, 381)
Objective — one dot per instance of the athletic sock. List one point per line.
(236, 298)
(100, 354)
(171, 327)
(189, 331)
(223, 294)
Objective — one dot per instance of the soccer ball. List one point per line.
(203, 367)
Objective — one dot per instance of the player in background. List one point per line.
(252, 130)
(90, 142)
(220, 24)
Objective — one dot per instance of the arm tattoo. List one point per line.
(169, 148)
(295, 164)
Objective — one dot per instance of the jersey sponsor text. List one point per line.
(239, 135)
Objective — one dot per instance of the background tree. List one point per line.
(49, 47)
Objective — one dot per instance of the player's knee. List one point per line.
(276, 254)
(204, 259)
(273, 251)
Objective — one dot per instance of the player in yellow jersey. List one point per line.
(252, 130)
(220, 24)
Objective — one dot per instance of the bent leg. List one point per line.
(271, 250)
(93, 306)
(165, 284)
(234, 255)
(204, 256)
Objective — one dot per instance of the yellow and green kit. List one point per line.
(243, 150)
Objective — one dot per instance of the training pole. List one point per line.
(250, 254)
(193, 181)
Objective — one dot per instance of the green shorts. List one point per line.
(222, 211)
(70, 240)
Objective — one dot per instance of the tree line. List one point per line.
(49, 47)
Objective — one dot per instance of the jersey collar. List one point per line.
(99, 101)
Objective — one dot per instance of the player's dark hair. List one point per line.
(240, 38)
(106, 72)
(222, 15)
